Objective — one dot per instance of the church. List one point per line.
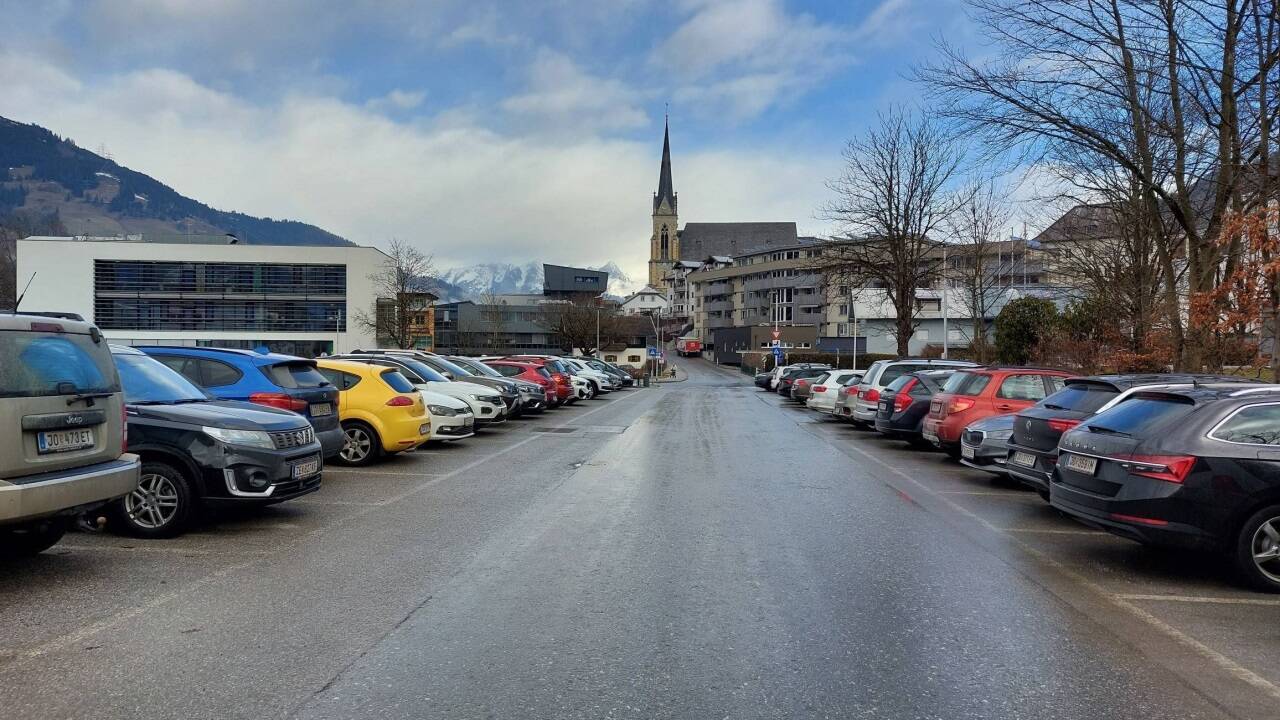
(698, 243)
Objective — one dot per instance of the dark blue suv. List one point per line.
(271, 379)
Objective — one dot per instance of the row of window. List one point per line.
(220, 315)
(142, 276)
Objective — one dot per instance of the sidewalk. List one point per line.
(680, 376)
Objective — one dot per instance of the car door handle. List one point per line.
(1004, 406)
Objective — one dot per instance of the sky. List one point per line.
(480, 131)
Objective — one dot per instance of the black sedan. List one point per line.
(1033, 448)
(1195, 468)
(198, 451)
(905, 402)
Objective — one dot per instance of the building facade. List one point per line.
(206, 290)
(645, 300)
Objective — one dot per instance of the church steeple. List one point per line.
(665, 191)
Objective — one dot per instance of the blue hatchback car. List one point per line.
(271, 379)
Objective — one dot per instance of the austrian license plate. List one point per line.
(967, 452)
(321, 409)
(1024, 459)
(885, 405)
(306, 468)
(56, 441)
(1082, 464)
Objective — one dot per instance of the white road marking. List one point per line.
(1007, 493)
(356, 471)
(1048, 531)
(1196, 599)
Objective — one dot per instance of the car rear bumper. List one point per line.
(821, 404)
(68, 491)
(1135, 520)
(1035, 476)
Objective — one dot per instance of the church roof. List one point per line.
(702, 240)
(665, 189)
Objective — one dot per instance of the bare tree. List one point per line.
(574, 323)
(493, 318)
(893, 194)
(8, 273)
(1155, 90)
(398, 286)
(976, 266)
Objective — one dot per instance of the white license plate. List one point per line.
(1024, 459)
(57, 441)
(967, 452)
(306, 468)
(321, 409)
(885, 406)
(1082, 464)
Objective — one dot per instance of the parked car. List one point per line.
(601, 382)
(1033, 448)
(528, 372)
(1194, 468)
(451, 418)
(762, 379)
(826, 388)
(280, 381)
(622, 376)
(559, 372)
(382, 413)
(198, 451)
(62, 451)
(533, 397)
(487, 407)
(504, 389)
(865, 404)
(905, 403)
(797, 374)
(781, 370)
(973, 394)
(984, 444)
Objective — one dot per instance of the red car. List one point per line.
(531, 372)
(973, 394)
(564, 386)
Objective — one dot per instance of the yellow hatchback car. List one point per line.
(380, 410)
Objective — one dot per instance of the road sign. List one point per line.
(777, 355)
(653, 351)
(776, 343)
(776, 334)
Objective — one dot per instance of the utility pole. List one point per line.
(946, 336)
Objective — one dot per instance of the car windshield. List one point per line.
(451, 367)
(295, 375)
(148, 381)
(33, 364)
(1081, 397)
(398, 382)
(1146, 414)
(424, 371)
(476, 367)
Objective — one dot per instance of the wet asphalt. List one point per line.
(695, 550)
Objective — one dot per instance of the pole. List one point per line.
(337, 325)
(597, 353)
(945, 335)
(853, 313)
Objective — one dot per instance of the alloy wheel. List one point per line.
(153, 503)
(356, 445)
(1266, 549)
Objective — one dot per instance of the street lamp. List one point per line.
(946, 336)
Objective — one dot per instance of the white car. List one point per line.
(451, 418)
(777, 375)
(485, 402)
(604, 381)
(826, 388)
(583, 389)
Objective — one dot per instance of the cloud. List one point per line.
(745, 56)
(449, 185)
(397, 99)
(561, 96)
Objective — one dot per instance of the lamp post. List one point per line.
(946, 336)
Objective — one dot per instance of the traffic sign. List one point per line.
(776, 343)
(776, 334)
(653, 351)
(777, 355)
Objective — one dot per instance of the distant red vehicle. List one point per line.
(688, 347)
(530, 371)
(564, 386)
(975, 393)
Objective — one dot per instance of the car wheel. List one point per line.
(160, 507)
(592, 390)
(30, 539)
(1258, 549)
(360, 446)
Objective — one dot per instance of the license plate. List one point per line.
(306, 468)
(885, 406)
(967, 452)
(321, 409)
(1024, 459)
(1082, 464)
(57, 441)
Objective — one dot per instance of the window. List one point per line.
(35, 364)
(1055, 383)
(398, 382)
(784, 295)
(1085, 397)
(339, 379)
(922, 334)
(844, 310)
(1022, 387)
(967, 383)
(146, 380)
(1143, 413)
(665, 246)
(589, 279)
(633, 358)
(295, 375)
(217, 374)
(1255, 425)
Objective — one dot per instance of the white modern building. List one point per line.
(205, 290)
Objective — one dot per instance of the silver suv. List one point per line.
(61, 429)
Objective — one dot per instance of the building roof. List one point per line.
(665, 189)
(157, 238)
(702, 240)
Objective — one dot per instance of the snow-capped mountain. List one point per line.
(474, 281)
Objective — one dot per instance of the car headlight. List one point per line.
(252, 438)
(441, 410)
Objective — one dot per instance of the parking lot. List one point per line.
(695, 547)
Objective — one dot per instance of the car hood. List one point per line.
(460, 389)
(995, 423)
(502, 385)
(227, 414)
(436, 398)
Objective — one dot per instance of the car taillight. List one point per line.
(400, 401)
(819, 388)
(870, 395)
(903, 400)
(958, 405)
(278, 400)
(1169, 468)
(1060, 426)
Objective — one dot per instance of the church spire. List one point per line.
(665, 191)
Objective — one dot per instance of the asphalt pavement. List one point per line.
(698, 549)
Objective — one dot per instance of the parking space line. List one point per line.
(1006, 493)
(1049, 531)
(162, 549)
(1196, 599)
(353, 471)
(342, 503)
